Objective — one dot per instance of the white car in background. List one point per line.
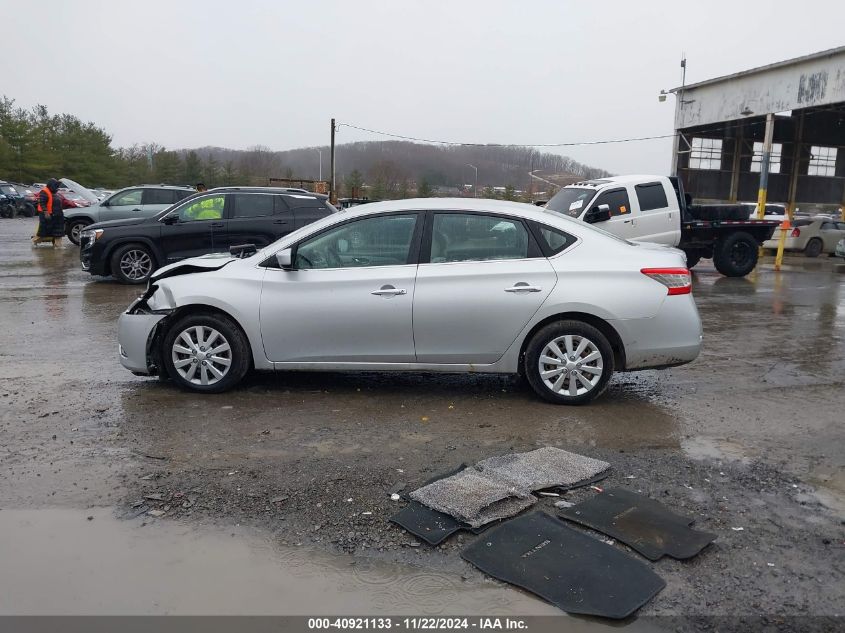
(435, 284)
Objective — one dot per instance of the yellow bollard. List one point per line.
(784, 229)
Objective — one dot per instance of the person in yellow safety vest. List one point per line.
(51, 217)
(209, 208)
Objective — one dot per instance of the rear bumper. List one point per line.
(672, 337)
(789, 244)
(134, 336)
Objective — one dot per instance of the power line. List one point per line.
(570, 144)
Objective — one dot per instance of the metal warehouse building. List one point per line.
(797, 105)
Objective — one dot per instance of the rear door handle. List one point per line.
(389, 291)
(217, 225)
(523, 287)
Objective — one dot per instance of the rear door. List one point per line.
(657, 218)
(253, 219)
(154, 201)
(196, 227)
(124, 204)
(480, 279)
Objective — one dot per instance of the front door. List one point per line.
(195, 228)
(483, 282)
(623, 221)
(348, 297)
(122, 205)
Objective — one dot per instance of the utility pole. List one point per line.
(475, 187)
(320, 152)
(332, 191)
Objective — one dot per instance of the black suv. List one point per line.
(207, 222)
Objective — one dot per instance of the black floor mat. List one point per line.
(644, 524)
(573, 571)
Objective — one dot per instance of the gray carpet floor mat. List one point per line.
(500, 487)
(643, 524)
(572, 570)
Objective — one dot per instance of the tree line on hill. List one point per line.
(35, 144)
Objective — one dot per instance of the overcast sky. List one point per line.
(242, 73)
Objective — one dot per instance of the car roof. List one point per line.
(162, 186)
(280, 190)
(450, 204)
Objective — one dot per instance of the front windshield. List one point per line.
(571, 201)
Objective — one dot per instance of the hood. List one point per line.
(75, 187)
(202, 264)
(118, 223)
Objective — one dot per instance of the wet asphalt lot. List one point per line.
(749, 435)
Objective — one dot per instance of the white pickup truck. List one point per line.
(655, 209)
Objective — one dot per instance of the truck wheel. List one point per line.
(568, 362)
(736, 254)
(813, 248)
(693, 257)
(132, 264)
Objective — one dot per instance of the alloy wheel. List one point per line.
(201, 355)
(571, 365)
(136, 264)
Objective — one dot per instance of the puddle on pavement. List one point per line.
(56, 561)
(714, 448)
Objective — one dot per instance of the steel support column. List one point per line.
(735, 166)
(793, 189)
(764, 167)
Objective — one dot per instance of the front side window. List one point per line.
(571, 201)
(206, 208)
(377, 241)
(617, 200)
(252, 205)
(459, 237)
(126, 198)
(651, 196)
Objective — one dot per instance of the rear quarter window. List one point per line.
(552, 240)
(651, 196)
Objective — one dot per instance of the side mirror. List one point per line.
(170, 219)
(600, 213)
(284, 258)
(104, 203)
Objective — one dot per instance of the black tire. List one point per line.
(814, 247)
(239, 355)
(123, 270)
(28, 210)
(597, 342)
(736, 254)
(74, 227)
(693, 257)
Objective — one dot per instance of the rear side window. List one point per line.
(179, 194)
(617, 200)
(552, 240)
(295, 202)
(651, 196)
(252, 205)
(460, 237)
(159, 196)
(828, 226)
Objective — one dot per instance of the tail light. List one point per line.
(677, 280)
(796, 232)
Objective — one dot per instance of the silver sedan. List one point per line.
(447, 285)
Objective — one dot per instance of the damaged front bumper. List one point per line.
(136, 332)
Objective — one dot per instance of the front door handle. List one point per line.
(136, 210)
(389, 291)
(217, 225)
(523, 287)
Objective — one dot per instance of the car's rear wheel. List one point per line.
(206, 352)
(74, 230)
(813, 248)
(132, 264)
(568, 362)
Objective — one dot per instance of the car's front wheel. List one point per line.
(132, 264)
(568, 362)
(206, 352)
(74, 230)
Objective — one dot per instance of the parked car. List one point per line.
(449, 285)
(143, 201)
(209, 222)
(813, 236)
(772, 211)
(840, 248)
(30, 199)
(12, 201)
